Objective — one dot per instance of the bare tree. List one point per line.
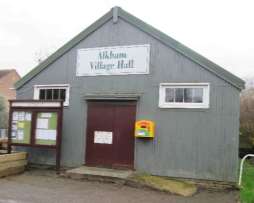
(247, 116)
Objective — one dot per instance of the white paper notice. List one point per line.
(103, 137)
(20, 135)
(28, 116)
(42, 123)
(21, 116)
(14, 126)
(45, 115)
(43, 134)
(13, 134)
(15, 116)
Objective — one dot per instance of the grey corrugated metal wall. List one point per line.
(192, 143)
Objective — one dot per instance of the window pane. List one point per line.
(55, 93)
(49, 94)
(42, 94)
(188, 95)
(169, 95)
(179, 95)
(198, 95)
(62, 94)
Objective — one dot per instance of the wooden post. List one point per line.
(59, 139)
(9, 128)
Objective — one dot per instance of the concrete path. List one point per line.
(46, 187)
(84, 171)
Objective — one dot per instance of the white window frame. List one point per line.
(37, 89)
(206, 95)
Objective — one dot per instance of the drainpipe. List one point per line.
(241, 167)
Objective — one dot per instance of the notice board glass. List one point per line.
(21, 127)
(46, 128)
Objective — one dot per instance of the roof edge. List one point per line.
(187, 52)
(116, 12)
(65, 48)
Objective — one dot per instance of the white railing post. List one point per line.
(241, 167)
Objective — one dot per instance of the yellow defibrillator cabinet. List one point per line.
(144, 128)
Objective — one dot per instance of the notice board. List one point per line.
(36, 123)
(46, 128)
(21, 127)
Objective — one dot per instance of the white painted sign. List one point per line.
(103, 137)
(118, 60)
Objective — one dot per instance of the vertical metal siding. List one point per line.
(192, 143)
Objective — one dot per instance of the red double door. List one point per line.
(110, 134)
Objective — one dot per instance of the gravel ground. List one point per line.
(47, 187)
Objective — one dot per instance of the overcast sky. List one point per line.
(221, 30)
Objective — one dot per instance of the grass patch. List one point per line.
(247, 189)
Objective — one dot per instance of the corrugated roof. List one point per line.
(118, 12)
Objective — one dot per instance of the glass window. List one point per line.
(179, 95)
(42, 94)
(198, 95)
(48, 94)
(188, 95)
(184, 95)
(62, 94)
(56, 94)
(52, 93)
(170, 94)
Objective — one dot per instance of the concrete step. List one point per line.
(99, 174)
(133, 179)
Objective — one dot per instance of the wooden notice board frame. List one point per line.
(21, 109)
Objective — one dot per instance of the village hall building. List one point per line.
(121, 70)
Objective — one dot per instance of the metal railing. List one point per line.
(241, 167)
